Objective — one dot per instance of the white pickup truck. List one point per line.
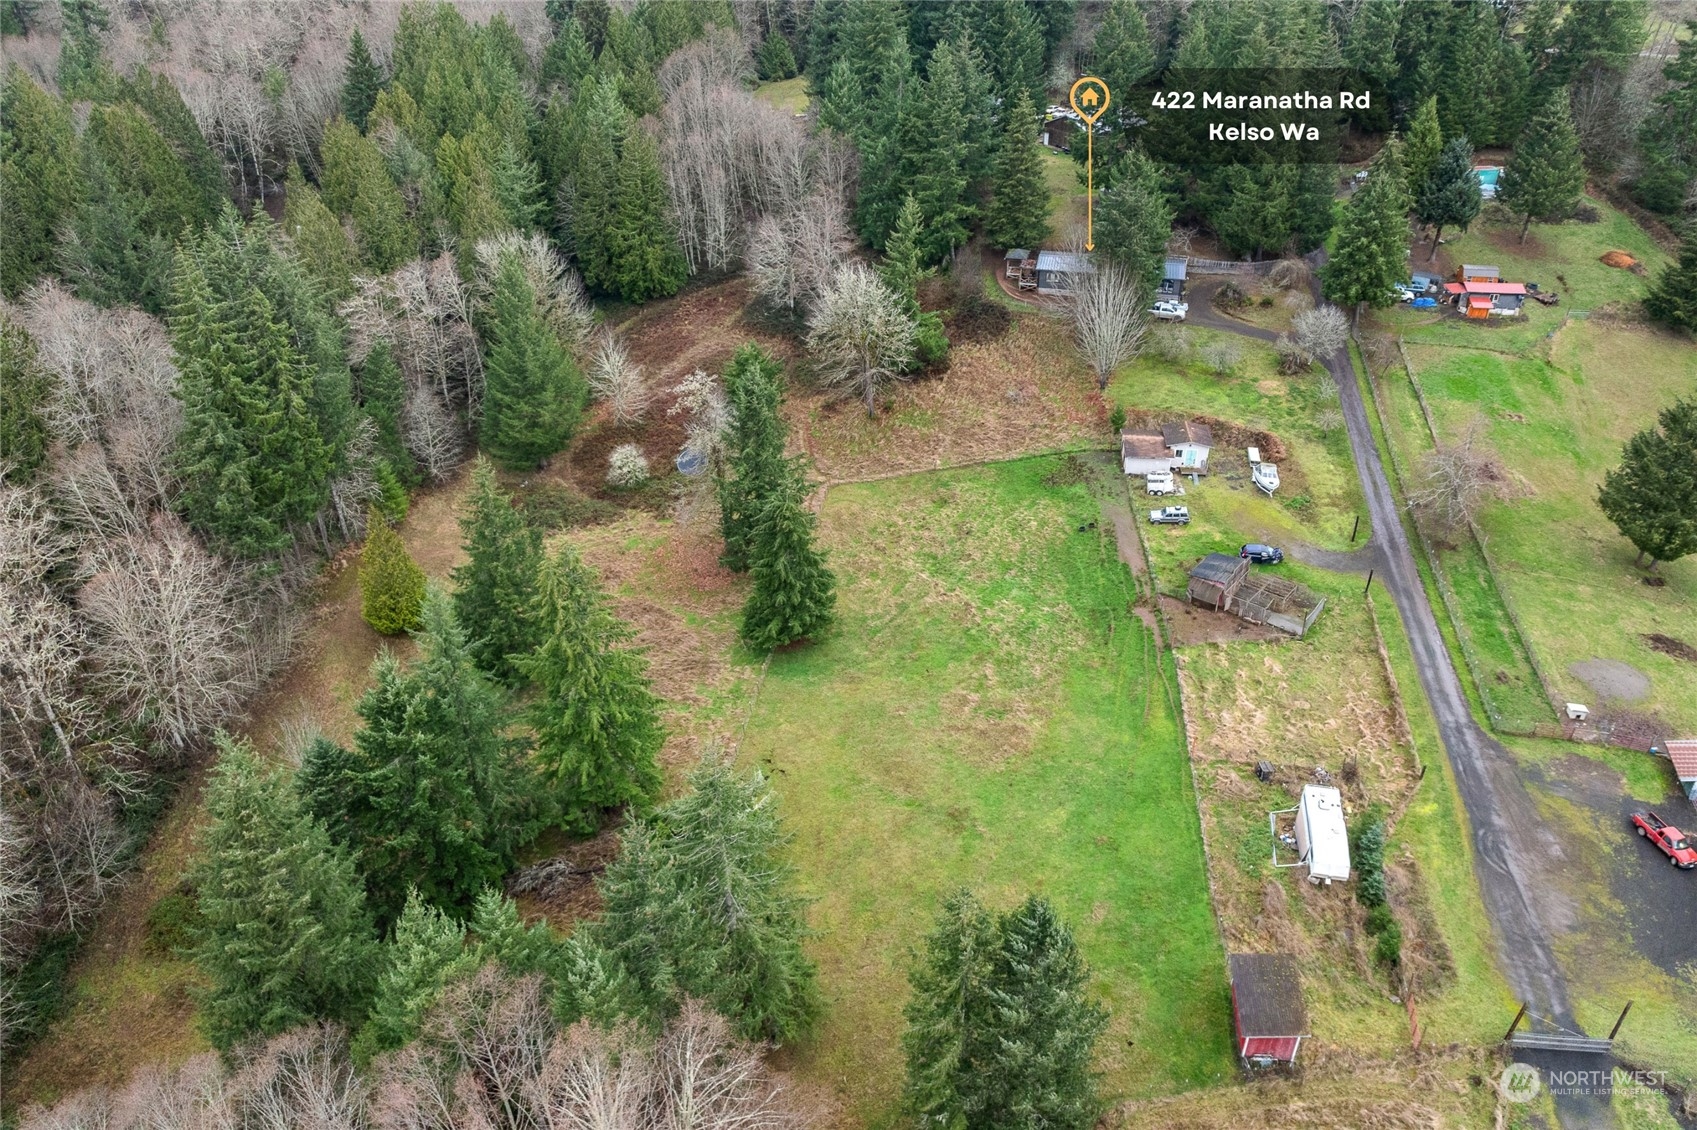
(1169, 311)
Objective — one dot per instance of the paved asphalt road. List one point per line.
(1511, 843)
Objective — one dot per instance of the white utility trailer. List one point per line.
(1322, 839)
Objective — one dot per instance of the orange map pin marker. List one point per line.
(1089, 98)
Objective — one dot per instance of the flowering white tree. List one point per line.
(860, 334)
(619, 381)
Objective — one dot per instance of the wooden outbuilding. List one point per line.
(1215, 579)
(1058, 271)
(1143, 453)
(1021, 266)
(1267, 1010)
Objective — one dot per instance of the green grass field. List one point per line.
(1558, 425)
(988, 712)
(787, 94)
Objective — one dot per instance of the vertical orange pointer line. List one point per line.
(1090, 105)
(1090, 188)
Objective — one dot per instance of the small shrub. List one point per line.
(555, 506)
(1389, 950)
(1170, 343)
(930, 343)
(1230, 296)
(172, 923)
(1379, 918)
(1368, 853)
(1116, 419)
(1300, 503)
(1587, 213)
(627, 466)
(1266, 300)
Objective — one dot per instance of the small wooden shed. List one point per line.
(1215, 579)
(1267, 1008)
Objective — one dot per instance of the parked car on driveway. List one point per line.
(1262, 554)
(1169, 311)
(1171, 516)
(1671, 840)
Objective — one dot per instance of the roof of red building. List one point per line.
(1485, 288)
(1267, 988)
(1683, 754)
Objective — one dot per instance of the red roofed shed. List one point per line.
(1267, 1007)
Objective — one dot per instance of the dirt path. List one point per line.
(1511, 843)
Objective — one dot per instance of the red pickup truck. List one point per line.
(1671, 840)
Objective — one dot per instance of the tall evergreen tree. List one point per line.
(251, 453)
(754, 448)
(646, 260)
(170, 115)
(533, 393)
(1425, 142)
(1450, 196)
(1000, 1030)
(1544, 177)
(427, 953)
(1371, 254)
(382, 393)
(318, 239)
(948, 1021)
(1667, 138)
(1123, 57)
(495, 591)
(592, 164)
(1019, 209)
(285, 937)
(107, 250)
(356, 184)
(935, 152)
(391, 585)
(1039, 1069)
(1673, 297)
(597, 721)
(794, 595)
(39, 177)
(1012, 39)
(433, 795)
(1652, 496)
(1134, 219)
(903, 266)
(361, 82)
(701, 902)
(24, 435)
(466, 173)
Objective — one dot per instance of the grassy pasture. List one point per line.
(988, 712)
(1558, 424)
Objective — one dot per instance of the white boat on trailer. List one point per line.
(1265, 476)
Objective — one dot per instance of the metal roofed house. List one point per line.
(1267, 1009)
(1483, 299)
(1474, 272)
(1144, 452)
(1172, 278)
(1215, 579)
(1056, 269)
(1189, 443)
(1683, 753)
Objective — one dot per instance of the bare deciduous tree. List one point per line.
(860, 334)
(476, 1063)
(356, 488)
(695, 1075)
(559, 291)
(701, 397)
(619, 381)
(431, 433)
(792, 257)
(423, 311)
(1321, 331)
(1109, 317)
(1456, 480)
(1222, 355)
(168, 630)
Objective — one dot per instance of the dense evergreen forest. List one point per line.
(254, 298)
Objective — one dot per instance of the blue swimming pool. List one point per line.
(1488, 175)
